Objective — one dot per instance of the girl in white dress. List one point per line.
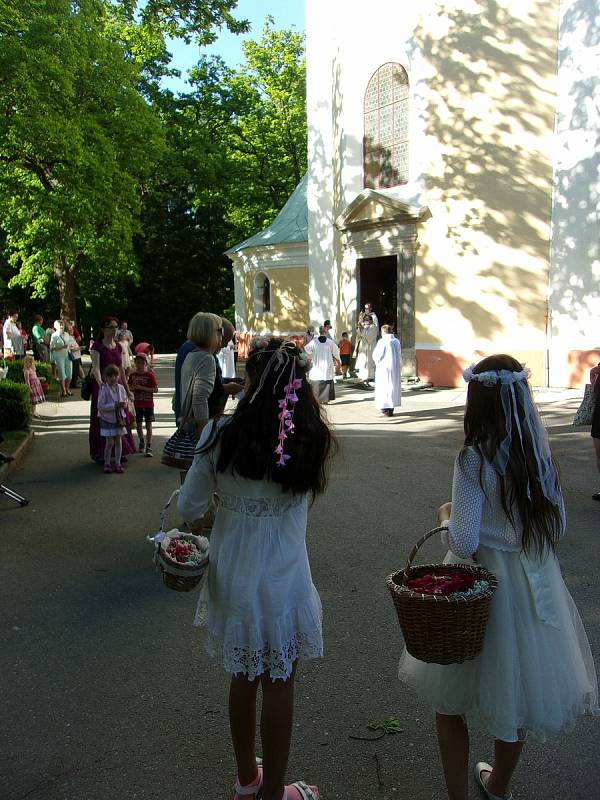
(112, 402)
(535, 674)
(264, 613)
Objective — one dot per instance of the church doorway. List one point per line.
(378, 285)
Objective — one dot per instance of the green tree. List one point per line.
(76, 142)
(264, 106)
(184, 233)
(79, 136)
(236, 149)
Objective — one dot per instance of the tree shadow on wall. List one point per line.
(493, 182)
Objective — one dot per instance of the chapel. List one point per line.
(453, 182)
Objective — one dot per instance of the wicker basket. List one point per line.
(441, 629)
(179, 577)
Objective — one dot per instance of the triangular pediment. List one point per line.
(372, 208)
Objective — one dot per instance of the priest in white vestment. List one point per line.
(324, 354)
(366, 337)
(387, 358)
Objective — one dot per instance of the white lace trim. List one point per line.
(278, 662)
(260, 506)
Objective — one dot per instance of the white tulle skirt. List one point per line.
(535, 675)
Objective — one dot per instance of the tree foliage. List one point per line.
(120, 193)
(76, 142)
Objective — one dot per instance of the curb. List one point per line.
(18, 455)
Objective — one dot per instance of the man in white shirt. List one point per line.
(125, 330)
(10, 334)
(387, 358)
(324, 354)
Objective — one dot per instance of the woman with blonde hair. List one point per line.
(198, 371)
(59, 355)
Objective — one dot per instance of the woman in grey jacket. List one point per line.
(198, 371)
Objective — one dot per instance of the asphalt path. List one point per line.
(106, 691)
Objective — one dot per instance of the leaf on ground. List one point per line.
(390, 725)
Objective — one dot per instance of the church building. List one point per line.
(453, 182)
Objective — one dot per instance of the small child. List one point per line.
(36, 393)
(345, 346)
(112, 402)
(144, 385)
(148, 350)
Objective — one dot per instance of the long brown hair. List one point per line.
(103, 325)
(249, 438)
(520, 486)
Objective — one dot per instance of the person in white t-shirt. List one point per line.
(324, 354)
(11, 335)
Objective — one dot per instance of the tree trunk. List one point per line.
(65, 278)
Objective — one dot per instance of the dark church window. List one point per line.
(385, 143)
(262, 293)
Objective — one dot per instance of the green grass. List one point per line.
(12, 440)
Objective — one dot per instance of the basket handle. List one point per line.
(159, 535)
(419, 544)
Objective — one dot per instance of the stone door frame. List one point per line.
(376, 225)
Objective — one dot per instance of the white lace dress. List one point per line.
(535, 674)
(264, 612)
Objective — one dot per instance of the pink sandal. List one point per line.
(119, 469)
(107, 469)
(251, 790)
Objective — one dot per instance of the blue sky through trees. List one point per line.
(229, 46)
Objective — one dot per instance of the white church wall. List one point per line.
(483, 94)
(574, 296)
(341, 58)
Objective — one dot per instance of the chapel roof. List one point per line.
(290, 226)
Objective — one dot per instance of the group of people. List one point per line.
(122, 393)
(377, 358)
(535, 675)
(60, 345)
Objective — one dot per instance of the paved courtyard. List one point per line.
(106, 692)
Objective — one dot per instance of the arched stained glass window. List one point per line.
(385, 144)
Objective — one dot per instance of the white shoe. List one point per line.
(480, 767)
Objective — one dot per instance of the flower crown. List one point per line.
(492, 377)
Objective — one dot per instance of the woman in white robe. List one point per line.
(366, 338)
(387, 358)
(324, 353)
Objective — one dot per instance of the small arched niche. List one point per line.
(262, 294)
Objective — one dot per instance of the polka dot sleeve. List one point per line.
(464, 525)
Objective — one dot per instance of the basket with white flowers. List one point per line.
(182, 557)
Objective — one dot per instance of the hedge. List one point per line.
(15, 406)
(15, 371)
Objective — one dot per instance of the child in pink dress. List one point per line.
(36, 393)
